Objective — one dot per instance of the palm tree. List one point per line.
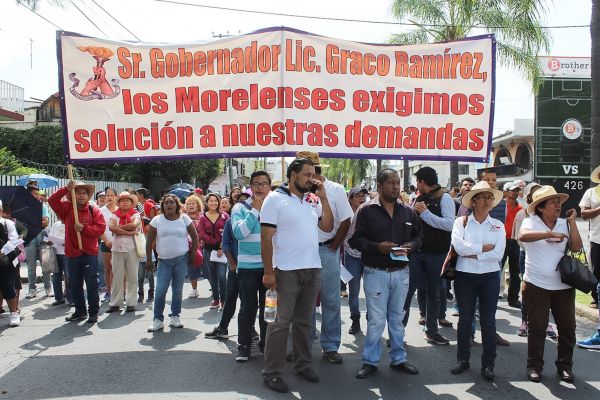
(516, 24)
(595, 33)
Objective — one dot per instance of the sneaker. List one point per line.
(76, 317)
(175, 322)
(243, 353)
(217, 333)
(333, 357)
(32, 293)
(49, 292)
(522, 331)
(593, 342)
(157, 325)
(455, 311)
(214, 304)
(550, 332)
(92, 319)
(15, 319)
(277, 384)
(193, 294)
(436, 338)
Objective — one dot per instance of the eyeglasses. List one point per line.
(259, 185)
(487, 198)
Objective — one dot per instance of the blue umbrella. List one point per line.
(181, 193)
(43, 181)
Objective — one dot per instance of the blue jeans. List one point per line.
(143, 274)
(84, 269)
(170, 271)
(217, 277)
(385, 293)
(101, 282)
(355, 267)
(331, 317)
(57, 279)
(422, 299)
(32, 254)
(425, 268)
(469, 288)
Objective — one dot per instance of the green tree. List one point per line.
(347, 172)
(517, 25)
(10, 165)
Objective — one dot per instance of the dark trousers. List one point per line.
(84, 269)
(252, 298)
(522, 271)
(595, 259)
(468, 288)
(57, 279)
(296, 296)
(422, 299)
(425, 268)
(539, 303)
(511, 252)
(231, 296)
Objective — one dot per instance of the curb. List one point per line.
(586, 312)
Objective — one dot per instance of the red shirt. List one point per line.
(212, 234)
(90, 217)
(511, 213)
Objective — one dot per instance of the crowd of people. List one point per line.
(296, 238)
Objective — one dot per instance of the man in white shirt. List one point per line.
(290, 255)
(590, 210)
(329, 244)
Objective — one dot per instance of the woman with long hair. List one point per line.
(212, 223)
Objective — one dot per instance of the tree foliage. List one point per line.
(517, 25)
(10, 165)
(348, 172)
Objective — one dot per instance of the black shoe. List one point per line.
(243, 353)
(449, 296)
(130, 309)
(500, 341)
(436, 338)
(333, 357)
(76, 317)
(460, 367)
(290, 356)
(445, 323)
(261, 347)
(365, 370)
(422, 321)
(150, 296)
(355, 327)
(113, 309)
(58, 302)
(405, 367)
(92, 319)
(277, 384)
(487, 373)
(217, 333)
(566, 375)
(534, 375)
(141, 298)
(309, 374)
(515, 304)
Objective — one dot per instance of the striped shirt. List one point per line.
(246, 229)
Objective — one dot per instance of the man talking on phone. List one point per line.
(387, 233)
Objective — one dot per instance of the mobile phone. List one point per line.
(313, 188)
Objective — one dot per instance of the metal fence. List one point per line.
(9, 180)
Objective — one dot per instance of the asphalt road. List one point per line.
(46, 358)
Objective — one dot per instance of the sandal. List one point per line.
(445, 323)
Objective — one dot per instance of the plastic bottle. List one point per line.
(271, 306)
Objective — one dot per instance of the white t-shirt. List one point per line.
(57, 237)
(296, 242)
(542, 257)
(171, 236)
(106, 213)
(124, 243)
(590, 200)
(340, 207)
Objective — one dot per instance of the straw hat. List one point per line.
(594, 177)
(127, 195)
(312, 156)
(91, 189)
(544, 193)
(481, 187)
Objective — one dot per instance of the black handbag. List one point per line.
(574, 272)
(449, 266)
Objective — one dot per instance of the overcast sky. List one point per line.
(156, 21)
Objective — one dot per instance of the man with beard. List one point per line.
(386, 231)
(290, 254)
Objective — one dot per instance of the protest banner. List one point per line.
(275, 92)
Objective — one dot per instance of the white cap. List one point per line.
(511, 186)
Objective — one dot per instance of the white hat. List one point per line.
(480, 187)
(595, 175)
(530, 187)
(511, 186)
(544, 193)
(127, 195)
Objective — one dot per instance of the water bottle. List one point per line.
(271, 306)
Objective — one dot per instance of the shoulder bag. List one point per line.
(575, 272)
(449, 266)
